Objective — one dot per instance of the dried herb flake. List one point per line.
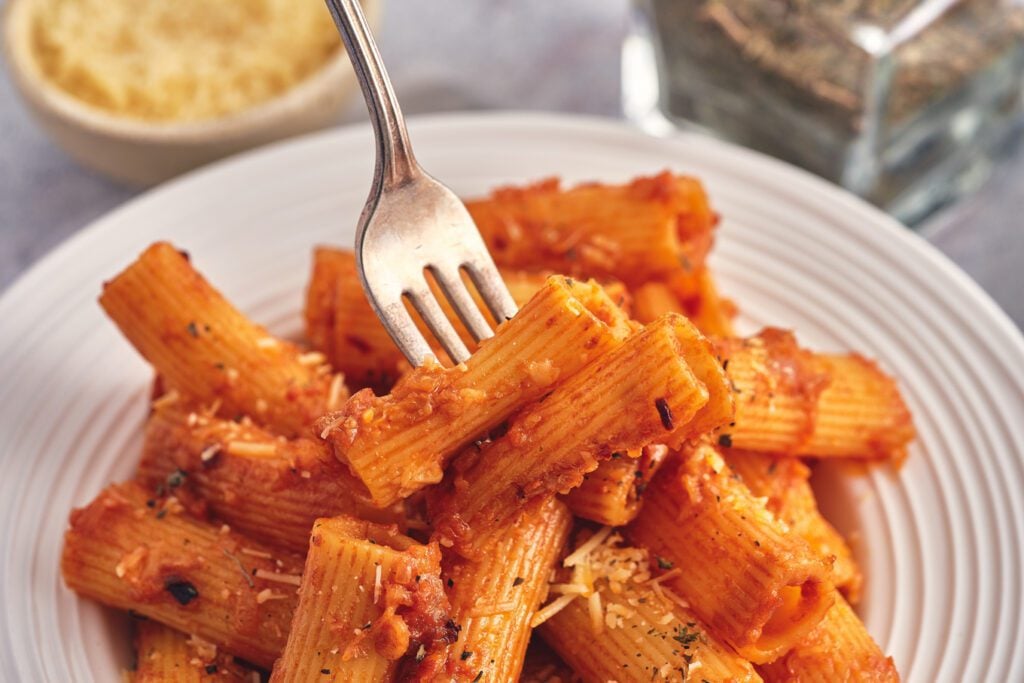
(182, 591)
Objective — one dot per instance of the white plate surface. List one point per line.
(941, 541)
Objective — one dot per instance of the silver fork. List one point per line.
(412, 223)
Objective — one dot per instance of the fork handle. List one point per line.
(395, 161)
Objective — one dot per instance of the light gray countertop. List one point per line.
(447, 55)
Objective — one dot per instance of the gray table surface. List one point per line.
(447, 55)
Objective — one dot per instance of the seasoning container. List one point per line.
(904, 102)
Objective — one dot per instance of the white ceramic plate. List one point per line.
(940, 541)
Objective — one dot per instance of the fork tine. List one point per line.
(462, 301)
(404, 332)
(426, 305)
(488, 282)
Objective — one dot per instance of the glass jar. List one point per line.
(904, 102)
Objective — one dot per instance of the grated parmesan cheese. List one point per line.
(596, 612)
(170, 398)
(268, 594)
(252, 450)
(551, 609)
(292, 579)
(209, 453)
(312, 358)
(334, 395)
(202, 647)
(182, 61)
(331, 425)
(580, 553)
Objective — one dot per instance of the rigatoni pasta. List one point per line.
(699, 300)
(399, 443)
(612, 493)
(839, 648)
(785, 484)
(648, 229)
(266, 487)
(419, 533)
(133, 551)
(618, 622)
(792, 401)
(208, 352)
(369, 596)
(757, 587)
(494, 598)
(708, 310)
(163, 655)
(341, 323)
(640, 393)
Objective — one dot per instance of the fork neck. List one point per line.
(396, 164)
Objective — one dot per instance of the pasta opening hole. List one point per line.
(384, 535)
(800, 608)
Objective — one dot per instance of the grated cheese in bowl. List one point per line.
(186, 60)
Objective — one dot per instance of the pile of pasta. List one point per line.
(612, 488)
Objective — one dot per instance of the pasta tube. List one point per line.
(266, 488)
(711, 313)
(195, 577)
(653, 300)
(164, 655)
(493, 599)
(839, 649)
(756, 587)
(706, 309)
(785, 483)
(341, 323)
(369, 595)
(207, 351)
(644, 230)
(791, 401)
(612, 493)
(620, 624)
(642, 392)
(399, 443)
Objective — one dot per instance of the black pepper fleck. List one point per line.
(665, 412)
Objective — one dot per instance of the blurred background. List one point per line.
(914, 105)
